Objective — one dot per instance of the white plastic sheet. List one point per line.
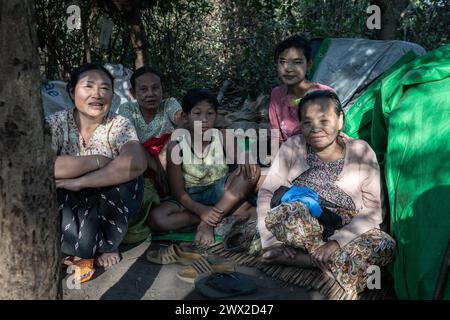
(55, 97)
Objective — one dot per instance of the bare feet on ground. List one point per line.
(70, 260)
(287, 256)
(107, 259)
(204, 235)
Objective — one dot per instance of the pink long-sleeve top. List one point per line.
(359, 178)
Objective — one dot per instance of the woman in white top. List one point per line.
(98, 163)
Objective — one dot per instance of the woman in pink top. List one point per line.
(293, 59)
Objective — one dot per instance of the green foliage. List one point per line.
(201, 43)
(426, 23)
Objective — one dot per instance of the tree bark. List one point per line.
(138, 37)
(29, 224)
(390, 16)
(87, 21)
(131, 11)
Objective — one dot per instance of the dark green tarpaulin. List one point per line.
(410, 132)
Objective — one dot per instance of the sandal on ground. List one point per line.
(171, 254)
(86, 267)
(200, 267)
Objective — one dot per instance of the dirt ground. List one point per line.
(134, 278)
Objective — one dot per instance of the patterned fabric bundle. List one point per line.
(292, 224)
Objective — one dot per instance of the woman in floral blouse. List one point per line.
(151, 115)
(98, 165)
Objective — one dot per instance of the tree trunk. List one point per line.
(130, 10)
(87, 16)
(390, 16)
(138, 37)
(29, 224)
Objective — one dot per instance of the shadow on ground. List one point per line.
(134, 278)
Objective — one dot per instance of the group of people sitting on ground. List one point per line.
(164, 167)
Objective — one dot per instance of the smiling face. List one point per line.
(148, 91)
(320, 123)
(292, 66)
(203, 112)
(93, 94)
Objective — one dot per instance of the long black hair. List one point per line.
(321, 94)
(297, 42)
(75, 75)
(143, 70)
(195, 96)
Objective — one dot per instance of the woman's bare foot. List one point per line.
(287, 256)
(70, 260)
(67, 261)
(204, 235)
(107, 259)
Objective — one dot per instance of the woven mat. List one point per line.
(307, 278)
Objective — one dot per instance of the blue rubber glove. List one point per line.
(305, 195)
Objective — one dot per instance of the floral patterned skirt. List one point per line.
(292, 224)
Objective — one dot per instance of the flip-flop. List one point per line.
(200, 267)
(225, 285)
(171, 254)
(86, 268)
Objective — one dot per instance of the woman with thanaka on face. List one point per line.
(153, 117)
(98, 165)
(293, 60)
(203, 190)
(345, 174)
